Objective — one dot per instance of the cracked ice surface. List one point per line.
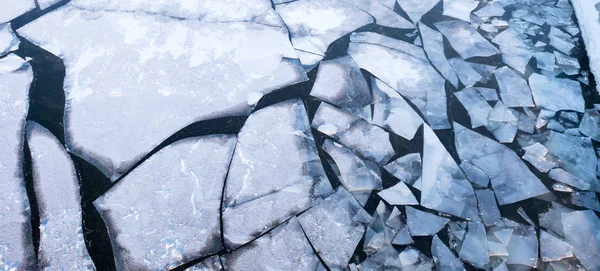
(16, 247)
(465, 39)
(183, 70)
(62, 246)
(8, 40)
(588, 14)
(275, 173)
(166, 211)
(13, 8)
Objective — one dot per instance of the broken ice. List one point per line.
(8, 40)
(556, 93)
(465, 39)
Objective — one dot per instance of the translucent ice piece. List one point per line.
(590, 124)
(538, 156)
(433, 43)
(275, 173)
(62, 246)
(444, 186)
(8, 40)
(413, 260)
(137, 61)
(391, 111)
(16, 246)
(415, 9)
(489, 94)
(560, 175)
(569, 65)
(545, 61)
(490, 10)
(161, 214)
(284, 248)
(340, 82)
(385, 41)
(422, 223)
(12, 9)
(398, 194)
(460, 9)
(474, 174)
(465, 39)
(523, 246)
(476, 105)
(511, 179)
(386, 259)
(586, 199)
(467, 75)
(515, 52)
(211, 264)
(587, 15)
(503, 123)
(406, 168)
(514, 90)
(581, 230)
(382, 229)
(556, 94)
(444, 258)
(474, 248)
(332, 121)
(488, 207)
(357, 174)
(334, 227)
(383, 14)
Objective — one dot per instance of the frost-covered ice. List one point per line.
(465, 39)
(460, 9)
(538, 156)
(383, 229)
(581, 230)
(62, 246)
(161, 214)
(433, 44)
(211, 264)
(284, 248)
(408, 75)
(511, 179)
(422, 223)
(398, 194)
(587, 14)
(13, 8)
(444, 186)
(412, 259)
(415, 9)
(443, 258)
(334, 227)
(184, 70)
(383, 15)
(275, 173)
(16, 247)
(314, 24)
(514, 90)
(476, 105)
(357, 174)
(556, 94)
(8, 40)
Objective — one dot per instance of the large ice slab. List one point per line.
(16, 247)
(433, 44)
(8, 40)
(587, 15)
(413, 78)
(166, 211)
(144, 75)
(12, 9)
(444, 187)
(556, 94)
(284, 248)
(511, 179)
(415, 9)
(275, 173)
(581, 229)
(56, 185)
(465, 39)
(334, 227)
(514, 90)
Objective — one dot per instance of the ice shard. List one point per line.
(515, 52)
(488, 207)
(433, 44)
(556, 94)
(211, 264)
(476, 105)
(334, 227)
(503, 123)
(587, 15)
(340, 82)
(422, 223)
(391, 111)
(382, 14)
(398, 194)
(385, 259)
(467, 75)
(56, 185)
(522, 246)
(408, 75)
(511, 179)
(474, 174)
(552, 248)
(590, 124)
(391, 43)
(310, 33)
(491, 9)
(185, 69)
(275, 173)
(538, 156)
(283, 248)
(412, 259)
(514, 90)
(474, 248)
(383, 229)
(12, 9)
(460, 9)
(443, 258)
(444, 186)
(415, 9)
(406, 168)
(8, 40)
(16, 247)
(357, 174)
(581, 229)
(166, 211)
(465, 39)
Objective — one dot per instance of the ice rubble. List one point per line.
(8, 40)
(511, 179)
(515, 52)
(465, 39)
(283, 248)
(587, 14)
(444, 186)
(386, 228)
(334, 227)
(56, 185)
(16, 247)
(12, 9)
(162, 214)
(183, 70)
(406, 74)
(288, 156)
